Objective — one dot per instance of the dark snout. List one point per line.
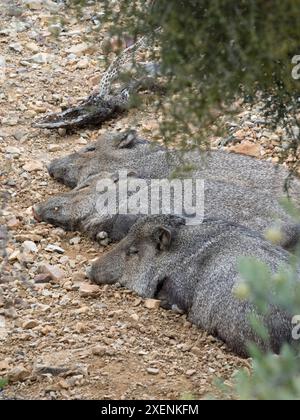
(61, 170)
(107, 269)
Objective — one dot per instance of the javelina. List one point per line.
(78, 210)
(194, 268)
(111, 153)
(126, 150)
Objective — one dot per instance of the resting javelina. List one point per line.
(111, 153)
(195, 268)
(77, 210)
(125, 150)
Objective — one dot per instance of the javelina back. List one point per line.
(194, 268)
(126, 150)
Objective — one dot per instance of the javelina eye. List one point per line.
(132, 251)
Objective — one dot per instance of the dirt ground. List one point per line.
(56, 340)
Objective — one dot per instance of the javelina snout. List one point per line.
(67, 210)
(68, 170)
(109, 268)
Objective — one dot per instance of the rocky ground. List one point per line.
(60, 337)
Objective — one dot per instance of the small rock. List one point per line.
(82, 310)
(42, 58)
(246, 148)
(13, 223)
(196, 350)
(53, 148)
(28, 325)
(18, 374)
(82, 141)
(88, 290)
(4, 365)
(153, 371)
(28, 237)
(16, 47)
(78, 277)
(34, 4)
(102, 235)
(190, 372)
(20, 135)
(63, 384)
(54, 248)
(152, 303)
(14, 256)
(54, 272)
(3, 329)
(59, 232)
(80, 49)
(135, 317)
(80, 327)
(82, 64)
(99, 350)
(42, 278)
(62, 132)
(29, 246)
(33, 166)
(31, 46)
(75, 241)
(11, 150)
(105, 242)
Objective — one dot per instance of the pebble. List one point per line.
(42, 278)
(79, 49)
(82, 64)
(29, 246)
(53, 148)
(75, 241)
(102, 235)
(33, 166)
(152, 303)
(54, 248)
(16, 47)
(62, 132)
(99, 350)
(190, 372)
(33, 47)
(42, 58)
(153, 371)
(89, 290)
(28, 325)
(246, 148)
(20, 135)
(18, 374)
(54, 272)
(11, 150)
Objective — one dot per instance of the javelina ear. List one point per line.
(164, 238)
(125, 140)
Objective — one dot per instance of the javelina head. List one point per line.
(109, 153)
(67, 210)
(85, 208)
(137, 260)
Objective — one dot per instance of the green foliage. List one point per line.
(3, 383)
(187, 396)
(274, 377)
(214, 51)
